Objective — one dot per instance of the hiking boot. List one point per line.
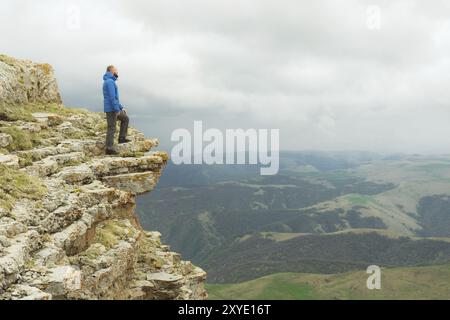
(111, 152)
(122, 141)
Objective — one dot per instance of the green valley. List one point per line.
(399, 283)
(326, 215)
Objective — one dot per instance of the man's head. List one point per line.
(113, 70)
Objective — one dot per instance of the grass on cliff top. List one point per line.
(23, 140)
(15, 185)
(6, 59)
(412, 283)
(24, 112)
(45, 67)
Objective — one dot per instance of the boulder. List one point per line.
(63, 280)
(9, 160)
(5, 140)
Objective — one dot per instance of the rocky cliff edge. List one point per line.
(68, 229)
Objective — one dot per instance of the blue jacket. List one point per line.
(111, 93)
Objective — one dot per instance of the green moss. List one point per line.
(80, 135)
(54, 108)
(77, 190)
(22, 139)
(101, 126)
(12, 113)
(6, 59)
(148, 255)
(71, 163)
(25, 160)
(24, 112)
(15, 185)
(93, 251)
(111, 232)
(30, 264)
(25, 140)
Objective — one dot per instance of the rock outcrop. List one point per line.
(67, 224)
(23, 81)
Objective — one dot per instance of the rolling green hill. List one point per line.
(398, 283)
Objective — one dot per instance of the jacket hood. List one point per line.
(109, 75)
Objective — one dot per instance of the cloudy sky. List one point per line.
(331, 75)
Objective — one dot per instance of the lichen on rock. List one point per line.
(68, 229)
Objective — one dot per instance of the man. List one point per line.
(114, 110)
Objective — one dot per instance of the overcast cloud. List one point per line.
(320, 71)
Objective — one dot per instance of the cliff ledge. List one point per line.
(67, 224)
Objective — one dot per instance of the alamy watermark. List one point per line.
(234, 146)
(374, 280)
(373, 17)
(73, 18)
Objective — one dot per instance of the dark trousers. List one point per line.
(111, 119)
